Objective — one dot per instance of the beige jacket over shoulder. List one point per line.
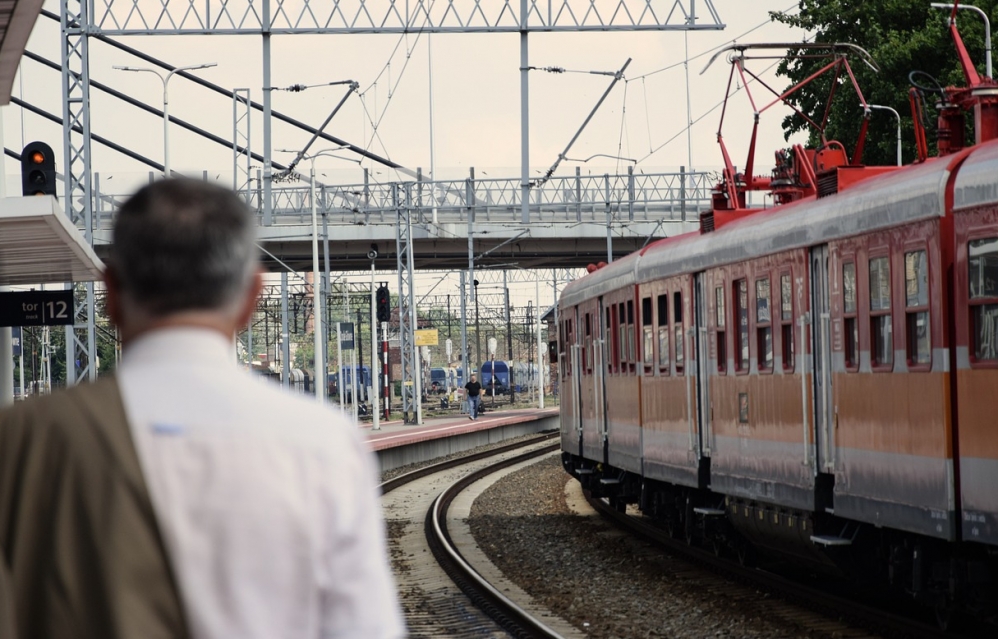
(78, 533)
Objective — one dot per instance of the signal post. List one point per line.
(383, 302)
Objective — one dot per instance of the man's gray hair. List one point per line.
(181, 245)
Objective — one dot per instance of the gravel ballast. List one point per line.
(605, 582)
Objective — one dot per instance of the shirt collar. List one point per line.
(183, 344)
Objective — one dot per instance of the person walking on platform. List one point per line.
(182, 497)
(474, 396)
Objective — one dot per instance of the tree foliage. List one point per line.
(902, 36)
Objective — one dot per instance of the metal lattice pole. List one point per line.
(242, 161)
(407, 301)
(81, 337)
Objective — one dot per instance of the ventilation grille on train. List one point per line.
(707, 222)
(828, 183)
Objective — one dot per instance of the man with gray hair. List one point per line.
(182, 497)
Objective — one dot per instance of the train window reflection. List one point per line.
(916, 279)
(786, 301)
(663, 333)
(983, 277)
(983, 268)
(608, 341)
(764, 330)
(648, 334)
(589, 344)
(880, 284)
(881, 329)
(787, 315)
(722, 354)
(985, 318)
(677, 330)
(622, 337)
(849, 287)
(632, 355)
(742, 320)
(916, 284)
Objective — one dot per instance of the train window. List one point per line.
(916, 286)
(787, 321)
(622, 337)
(983, 279)
(881, 330)
(849, 320)
(608, 341)
(677, 330)
(741, 319)
(722, 353)
(589, 344)
(632, 355)
(647, 334)
(567, 331)
(663, 334)
(764, 327)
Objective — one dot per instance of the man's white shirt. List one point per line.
(267, 502)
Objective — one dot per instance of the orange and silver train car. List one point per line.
(818, 379)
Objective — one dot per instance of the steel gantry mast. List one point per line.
(407, 306)
(81, 336)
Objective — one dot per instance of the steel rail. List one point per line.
(486, 597)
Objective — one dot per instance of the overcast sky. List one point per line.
(476, 99)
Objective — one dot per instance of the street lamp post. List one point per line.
(987, 29)
(898, 116)
(165, 79)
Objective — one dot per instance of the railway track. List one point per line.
(450, 598)
(823, 603)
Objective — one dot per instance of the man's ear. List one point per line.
(113, 298)
(250, 301)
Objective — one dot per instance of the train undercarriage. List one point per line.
(951, 578)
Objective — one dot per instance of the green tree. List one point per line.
(901, 36)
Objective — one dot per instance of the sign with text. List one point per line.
(15, 340)
(36, 308)
(346, 336)
(427, 337)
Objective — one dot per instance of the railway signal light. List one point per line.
(384, 304)
(37, 169)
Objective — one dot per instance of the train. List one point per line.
(363, 377)
(814, 380)
(520, 376)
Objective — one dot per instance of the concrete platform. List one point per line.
(398, 444)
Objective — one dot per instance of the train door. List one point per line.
(576, 365)
(599, 375)
(699, 368)
(821, 346)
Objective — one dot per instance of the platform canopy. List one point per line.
(39, 245)
(17, 18)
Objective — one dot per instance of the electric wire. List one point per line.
(623, 123)
(789, 9)
(705, 114)
(392, 87)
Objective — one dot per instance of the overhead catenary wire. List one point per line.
(223, 91)
(702, 116)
